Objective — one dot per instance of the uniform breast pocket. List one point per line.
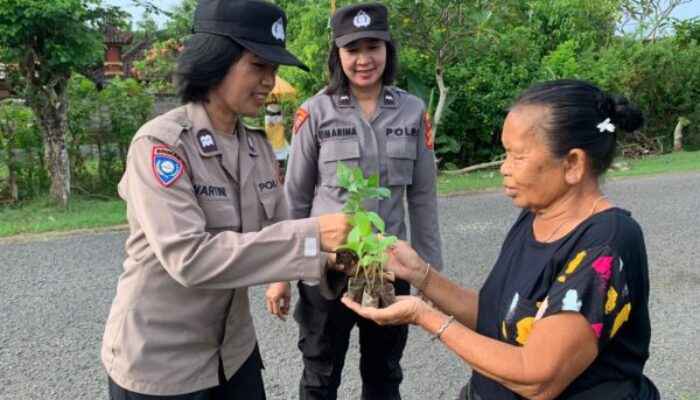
(220, 216)
(402, 159)
(216, 201)
(270, 196)
(334, 151)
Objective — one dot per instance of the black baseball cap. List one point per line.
(257, 25)
(360, 21)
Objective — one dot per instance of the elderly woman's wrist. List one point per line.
(421, 314)
(420, 278)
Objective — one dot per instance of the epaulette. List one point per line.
(165, 128)
(251, 128)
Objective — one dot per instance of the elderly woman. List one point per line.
(564, 312)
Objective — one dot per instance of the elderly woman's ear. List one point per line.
(575, 165)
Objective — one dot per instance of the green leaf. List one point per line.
(357, 174)
(365, 227)
(355, 247)
(354, 235)
(343, 175)
(383, 192)
(376, 220)
(373, 181)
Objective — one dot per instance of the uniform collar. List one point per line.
(247, 139)
(206, 138)
(389, 98)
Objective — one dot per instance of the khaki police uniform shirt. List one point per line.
(201, 208)
(396, 143)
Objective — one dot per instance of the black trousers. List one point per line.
(245, 384)
(324, 335)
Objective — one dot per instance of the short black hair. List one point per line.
(576, 108)
(338, 82)
(203, 64)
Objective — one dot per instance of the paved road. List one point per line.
(55, 294)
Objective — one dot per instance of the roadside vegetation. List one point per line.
(39, 216)
(467, 61)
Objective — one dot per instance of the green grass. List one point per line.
(652, 165)
(655, 165)
(473, 181)
(39, 216)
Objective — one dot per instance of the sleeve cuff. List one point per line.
(312, 262)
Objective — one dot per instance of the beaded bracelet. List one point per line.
(444, 326)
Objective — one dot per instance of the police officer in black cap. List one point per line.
(207, 219)
(359, 119)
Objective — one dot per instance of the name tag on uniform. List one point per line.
(402, 131)
(337, 133)
(267, 185)
(209, 191)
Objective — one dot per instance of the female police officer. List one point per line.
(360, 121)
(201, 192)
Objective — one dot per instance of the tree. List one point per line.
(48, 40)
(126, 106)
(646, 19)
(14, 118)
(439, 29)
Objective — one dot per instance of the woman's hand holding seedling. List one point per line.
(405, 310)
(334, 230)
(406, 264)
(363, 242)
(342, 264)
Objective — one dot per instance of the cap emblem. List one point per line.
(278, 30)
(361, 20)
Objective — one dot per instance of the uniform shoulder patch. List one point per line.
(167, 166)
(257, 129)
(428, 131)
(299, 118)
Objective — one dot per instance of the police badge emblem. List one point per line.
(278, 30)
(206, 141)
(389, 99)
(344, 100)
(362, 19)
(167, 167)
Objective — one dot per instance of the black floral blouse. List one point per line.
(598, 270)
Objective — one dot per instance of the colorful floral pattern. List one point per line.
(593, 283)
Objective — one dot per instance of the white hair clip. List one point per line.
(606, 126)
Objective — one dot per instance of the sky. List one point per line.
(685, 11)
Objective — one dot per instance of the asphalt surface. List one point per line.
(55, 294)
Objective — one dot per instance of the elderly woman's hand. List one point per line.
(406, 264)
(405, 310)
